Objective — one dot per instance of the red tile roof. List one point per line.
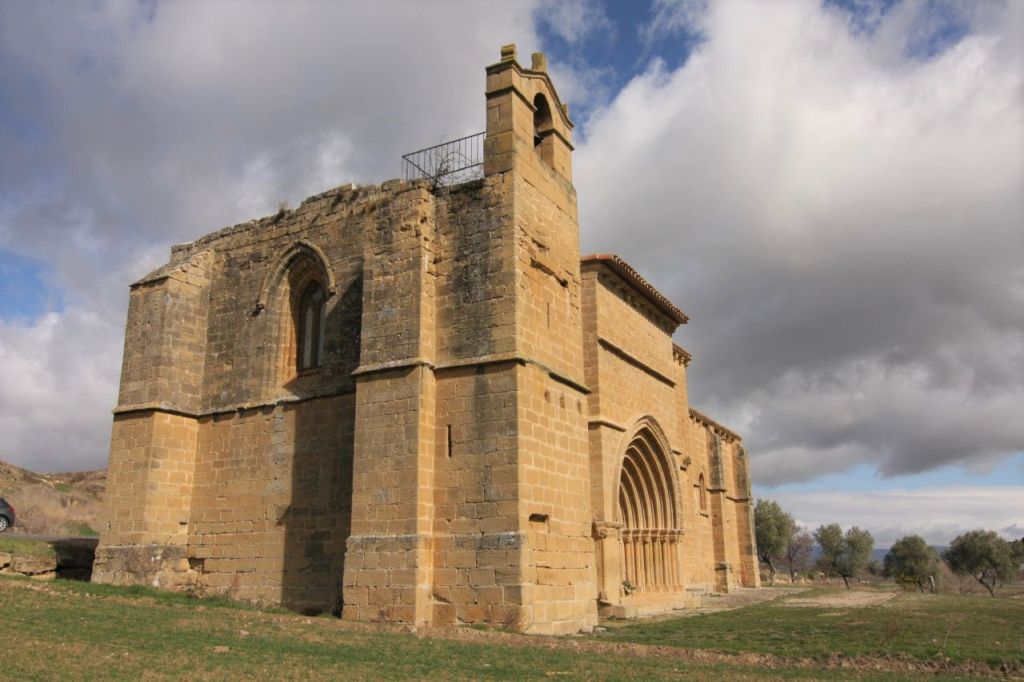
(633, 278)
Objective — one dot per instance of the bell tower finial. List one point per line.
(526, 120)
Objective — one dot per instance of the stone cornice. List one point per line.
(630, 359)
(604, 422)
(244, 407)
(626, 273)
(707, 421)
(499, 358)
(681, 355)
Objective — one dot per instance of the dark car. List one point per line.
(6, 515)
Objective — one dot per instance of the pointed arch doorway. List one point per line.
(647, 509)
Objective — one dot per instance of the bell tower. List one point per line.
(471, 493)
(525, 116)
(528, 151)
(528, 145)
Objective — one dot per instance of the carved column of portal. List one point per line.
(611, 558)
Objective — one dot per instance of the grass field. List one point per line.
(26, 548)
(72, 630)
(820, 623)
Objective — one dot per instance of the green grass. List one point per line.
(157, 596)
(79, 529)
(921, 626)
(63, 488)
(90, 632)
(26, 548)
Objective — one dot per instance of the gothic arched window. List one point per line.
(702, 494)
(311, 327)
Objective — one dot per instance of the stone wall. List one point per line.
(554, 504)
(148, 499)
(455, 456)
(230, 470)
(272, 502)
(478, 539)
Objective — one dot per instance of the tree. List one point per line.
(911, 561)
(843, 555)
(772, 528)
(984, 556)
(1017, 550)
(798, 554)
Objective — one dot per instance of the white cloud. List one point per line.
(937, 514)
(575, 20)
(842, 221)
(673, 17)
(136, 125)
(57, 391)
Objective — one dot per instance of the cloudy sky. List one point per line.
(833, 191)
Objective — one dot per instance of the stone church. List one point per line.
(416, 403)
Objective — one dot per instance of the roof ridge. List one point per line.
(628, 273)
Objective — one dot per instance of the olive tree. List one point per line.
(772, 528)
(984, 556)
(842, 554)
(911, 561)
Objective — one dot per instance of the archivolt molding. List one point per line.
(646, 476)
(284, 261)
(649, 511)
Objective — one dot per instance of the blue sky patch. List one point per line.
(24, 291)
(864, 477)
(936, 25)
(620, 41)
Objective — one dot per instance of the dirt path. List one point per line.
(852, 599)
(737, 599)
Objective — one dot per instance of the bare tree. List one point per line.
(798, 554)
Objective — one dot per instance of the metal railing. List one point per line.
(448, 163)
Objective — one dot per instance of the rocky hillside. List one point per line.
(54, 504)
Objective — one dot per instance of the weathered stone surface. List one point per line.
(34, 566)
(474, 426)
